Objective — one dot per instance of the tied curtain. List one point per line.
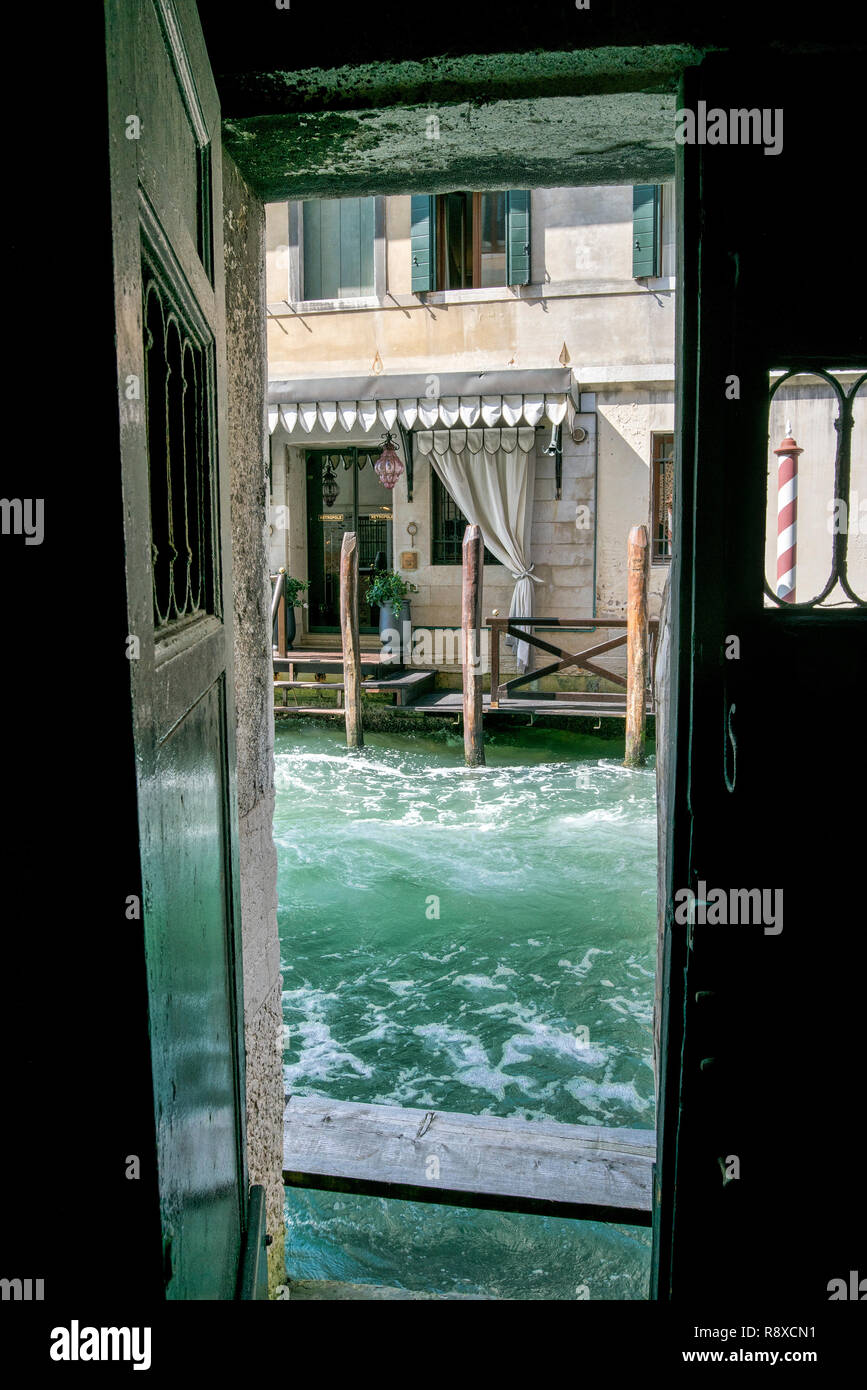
(494, 490)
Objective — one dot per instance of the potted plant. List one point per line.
(389, 592)
(292, 590)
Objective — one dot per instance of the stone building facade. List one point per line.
(587, 340)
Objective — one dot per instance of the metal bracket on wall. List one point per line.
(406, 440)
(555, 449)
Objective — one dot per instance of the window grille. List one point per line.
(662, 494)
(180, 436)
(816, 520)
(448, 525)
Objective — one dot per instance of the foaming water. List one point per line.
(447, 936)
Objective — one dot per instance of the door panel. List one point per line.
(171, 377)
(761, 1027)
(191, 1011)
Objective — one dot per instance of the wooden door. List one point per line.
(168, 262)
(360, 504)
(762, 1025)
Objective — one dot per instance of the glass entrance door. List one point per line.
(344, 494)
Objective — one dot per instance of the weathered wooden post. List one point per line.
(281, 613)
(349, 637)
(471, 623)
(636, 647)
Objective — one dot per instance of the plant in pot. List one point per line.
(389, 592)
(292, 589)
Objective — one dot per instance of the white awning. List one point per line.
(471, 413)
(507, 439)
(512, 398)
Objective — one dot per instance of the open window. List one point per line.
(470, 240)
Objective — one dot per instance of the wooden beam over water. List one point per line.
(539, 1167)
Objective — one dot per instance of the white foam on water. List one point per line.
(593, 1096)
(321, 1057)
(586, 965)
(477, 982)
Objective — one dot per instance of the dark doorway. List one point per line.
(344, 494)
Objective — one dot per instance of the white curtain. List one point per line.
(495, 492)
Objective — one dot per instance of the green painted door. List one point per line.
(166, 173)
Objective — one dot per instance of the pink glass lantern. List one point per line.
(389, 465)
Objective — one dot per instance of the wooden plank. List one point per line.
(376, 684)
(308, 685)
(584, 1171)
(336, 1291)
(349, 634)
(311, 709)
(603, 702)
(584, 624)
(327, 662)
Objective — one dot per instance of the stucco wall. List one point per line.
(582, 293)
(627, 416)
(244, 231)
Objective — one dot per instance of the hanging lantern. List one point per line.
(388, 466)
(330, 485)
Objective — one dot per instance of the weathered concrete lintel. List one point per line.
(474, 77)
(551, 142)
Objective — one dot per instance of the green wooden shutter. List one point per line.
(366, 237)
(518, 237)
(645, 229)
(338, 248)
(312, 286)
(423, 242)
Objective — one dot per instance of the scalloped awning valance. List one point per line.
(492, 441)
(446, 401)
(467, 412)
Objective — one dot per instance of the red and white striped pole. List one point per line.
(787, 516)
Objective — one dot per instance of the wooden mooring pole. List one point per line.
(636, 647)
(349, 637)
(471, 623)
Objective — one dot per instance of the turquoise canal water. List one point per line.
(541, 868)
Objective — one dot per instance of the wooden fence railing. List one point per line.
(583, 660)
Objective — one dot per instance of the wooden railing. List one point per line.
(566, 660)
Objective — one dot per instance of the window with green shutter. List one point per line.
(518, 238)
(338, 243)
(423, 242)
(645, 229)
(470, 240)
